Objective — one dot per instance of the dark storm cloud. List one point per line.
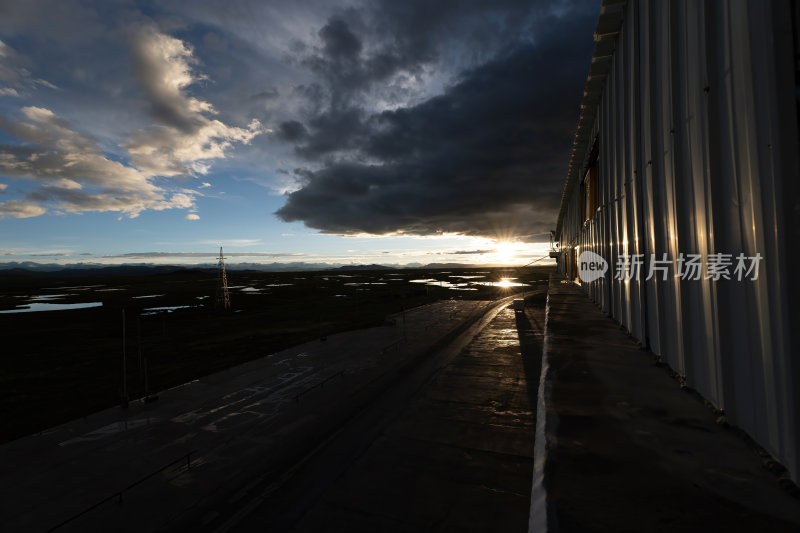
(291, 131)
(365, 47)
(339, 62)
(270, 93)
(333, 130)
(340, 42)
(486, 158)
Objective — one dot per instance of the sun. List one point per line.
(505, 251)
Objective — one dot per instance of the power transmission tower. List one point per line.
(223, 299)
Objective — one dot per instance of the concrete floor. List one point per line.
(459, 455)
(245, 426)
(628, 450)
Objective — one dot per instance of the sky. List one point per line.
(317, 131)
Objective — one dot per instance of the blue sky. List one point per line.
(336, 132)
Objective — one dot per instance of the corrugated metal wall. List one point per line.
(698, 140)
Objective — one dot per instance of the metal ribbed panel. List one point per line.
(697, 143)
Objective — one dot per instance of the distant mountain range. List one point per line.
(269, 267)
(29, 268)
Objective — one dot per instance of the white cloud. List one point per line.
(13, 73)
(44, 83)
(184, 139)
(192, 216)
(232, 242)
(3, 186)
(73, 175)
(205, 185)
(10, 72)
(20, 209)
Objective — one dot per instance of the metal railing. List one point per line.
(118, 494)
(320, 385)
(395, 345)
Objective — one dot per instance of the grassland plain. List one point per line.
(64, 364)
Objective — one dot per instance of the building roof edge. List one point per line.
(608, 27)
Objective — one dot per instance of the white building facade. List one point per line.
(684, 179)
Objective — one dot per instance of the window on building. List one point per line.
(590, 186)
